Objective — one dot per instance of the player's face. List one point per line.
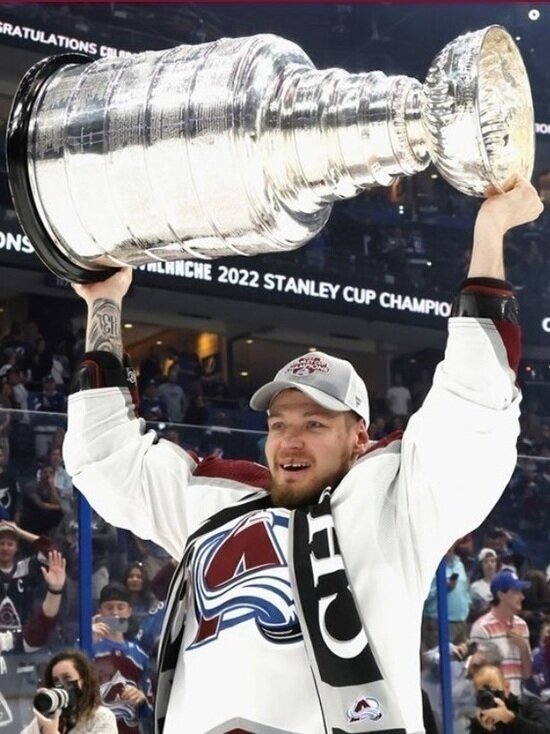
(309, 448)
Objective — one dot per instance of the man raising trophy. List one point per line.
(297, 602)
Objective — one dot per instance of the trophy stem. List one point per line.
(332, 134)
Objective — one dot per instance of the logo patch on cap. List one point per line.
(307, 366)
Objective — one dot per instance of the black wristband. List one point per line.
(102, 369)
(486, 306)
(54, 591)
(98, 369)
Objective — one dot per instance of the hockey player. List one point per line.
(297, 603)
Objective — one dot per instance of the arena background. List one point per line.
(392, 257)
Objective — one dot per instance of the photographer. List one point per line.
(502, 711)
(71, 699)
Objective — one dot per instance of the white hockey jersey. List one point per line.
(396, 513)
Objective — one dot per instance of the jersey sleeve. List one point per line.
(459, 449)
(132, 478)
(409, 499)
(37, 630)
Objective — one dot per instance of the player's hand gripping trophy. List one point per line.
(240, 146)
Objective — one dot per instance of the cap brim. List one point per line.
(517, 586)
(262, 398)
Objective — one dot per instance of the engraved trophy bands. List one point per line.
(238, 147)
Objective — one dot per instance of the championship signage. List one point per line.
(234, 278)
(53, 40)
(252, 280)
(329, 293)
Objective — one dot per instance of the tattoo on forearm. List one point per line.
(104, 331)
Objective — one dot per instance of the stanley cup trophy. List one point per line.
(239, 146)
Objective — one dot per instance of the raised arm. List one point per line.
(500, 212)
(459, 449)
(104, 301)
(37, 630)
(130, 476)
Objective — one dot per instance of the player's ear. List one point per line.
(361, 437)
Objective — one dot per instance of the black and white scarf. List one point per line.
(353, 696)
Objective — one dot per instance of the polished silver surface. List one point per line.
(239, 146)
(478, 111)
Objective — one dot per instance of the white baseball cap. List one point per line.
(329, 381)
(486, 553)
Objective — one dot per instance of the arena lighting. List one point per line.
(244, 373)
(518, 38)
(533, 14)
(158, 342)
(249, 341)
(312, 349)
(128, 326)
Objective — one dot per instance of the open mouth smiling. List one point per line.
(294, 466)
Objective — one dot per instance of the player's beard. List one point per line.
(294, 496)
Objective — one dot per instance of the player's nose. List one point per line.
(293, 437)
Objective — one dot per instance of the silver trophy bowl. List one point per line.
(478, 112)
(240, 146)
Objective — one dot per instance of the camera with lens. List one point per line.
(49, 700)
(471, 649)
(486, 698)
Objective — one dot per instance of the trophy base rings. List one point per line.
(19, 180)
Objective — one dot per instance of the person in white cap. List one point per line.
(297, 602)
(480, 589)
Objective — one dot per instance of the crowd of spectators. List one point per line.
(39, 536)
(416, 236)
(39, 517)
(498, 618)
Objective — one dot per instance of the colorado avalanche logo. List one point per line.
(239, 574)
(111, 695)
(366, 707)
(9, 618)
(307, 366)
